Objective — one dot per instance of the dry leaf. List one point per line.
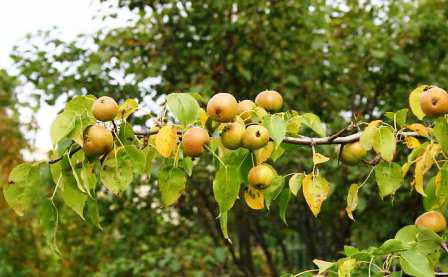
(352, 200)
(319, 158)
(165, 141)
(411, 142)
(254, 198)
(419, 129)
(315, 190)
(264, 153)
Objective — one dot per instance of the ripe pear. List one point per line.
(433, 220)
(353, 153)
(261, 176)
(222, 107)
(97, 140)
(245, 109)
(270, 100)
(434, 101)
(232, 135)
(255, 137)
(105, 108)
(194, 140)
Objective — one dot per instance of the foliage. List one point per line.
(327, 59)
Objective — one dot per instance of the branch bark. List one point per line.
(301, 140)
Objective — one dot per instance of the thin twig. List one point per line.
(60, 158)
(340, 132)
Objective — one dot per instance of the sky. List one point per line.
(71, 17)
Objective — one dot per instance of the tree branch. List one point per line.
(302, 140)
(60, 158)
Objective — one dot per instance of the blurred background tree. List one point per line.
(343, 60)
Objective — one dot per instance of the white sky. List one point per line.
(19, 17)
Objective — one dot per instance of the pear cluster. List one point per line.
(239, 127)
(97, 139)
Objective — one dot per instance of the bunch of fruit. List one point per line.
(98, 140)
(239, 131)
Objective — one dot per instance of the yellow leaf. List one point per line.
(352, 200)
(254, 198)
(423, 164)
(315, 190)
(165, 141)
(295, 183)
(374, 123)
(405, 168)
(438, 181)
(411, 142)
(203, 116)
(319, 158)
(264, 153)
(414, 102)
(419, 129)
(346, 267)
(126, 109)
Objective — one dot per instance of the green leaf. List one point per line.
(278, 152)
(384, 143)
(424, 240)
(388, 177)
(415, 263)
(391, 246)
(137, 157)
(323, 265)
(414, 102)
(80, 105)
(398, 117)
(441, 189)
(116, 172)
(73, 197)
(350, 250)
(62, 126)
(126, 134)
(273, 191)
(184, 107)
(88, 176)
(226, 187)
(416, 152)
(295, 183)
(81, 123)
(126, 109)
(313, 122)
(368, 134)
(235, 157)
(187, 164)
(26, 187)
(48, 221)
(283, 200)
(223, 224)
(276, 126)
(150, 153)
(172, 183)
(93, 214)
(440, 132)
